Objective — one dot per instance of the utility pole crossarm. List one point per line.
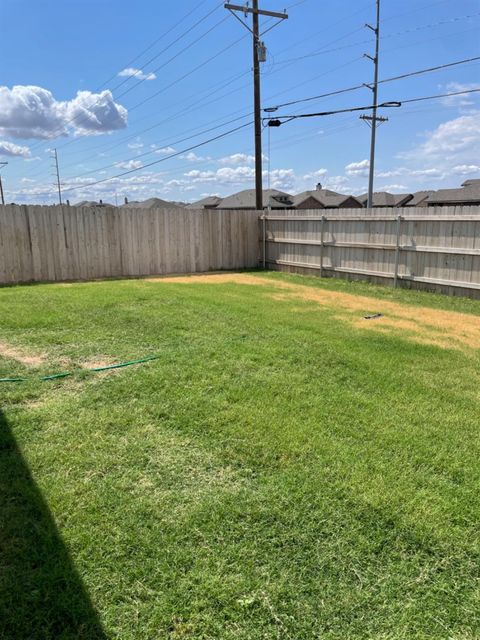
(254, 10)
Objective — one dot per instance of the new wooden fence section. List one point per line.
(40, 243)
(436, 249)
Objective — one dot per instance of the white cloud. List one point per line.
(336, 183)
(358, 168)
(135, 145)
(238, 158)
(131, 72)
(464, 100)
(393, 188)
(316, 175)
(224, 175)
(466, 169)
(33, 112)
(451, 139)
(192, 157)
(10, 149)
(93, 113)
(131, 164)
(164, 151)
(283, 179)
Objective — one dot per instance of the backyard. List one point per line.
(286, 468)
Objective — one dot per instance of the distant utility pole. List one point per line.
(55, 157)
(2, 164)
(259, 55)
(374, 119)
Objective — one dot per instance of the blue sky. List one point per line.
(185, 68)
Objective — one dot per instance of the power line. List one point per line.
(150, 164)
(75, 118)
(156, 41)
(278, 121)
(166, 144)
(322, 51)
(361, 86)
(192, 107)
(174, 57)
(441, 95)
(71, 141)
(186, 75)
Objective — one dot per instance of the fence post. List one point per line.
(397, 251)
(322, 243)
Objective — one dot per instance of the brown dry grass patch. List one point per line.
(448, 329)
(27, 359)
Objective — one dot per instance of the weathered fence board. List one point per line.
(70, 243)
(436, 249)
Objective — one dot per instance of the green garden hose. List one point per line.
(65, 374)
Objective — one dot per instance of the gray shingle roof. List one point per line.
(472, 182)
(92, 203)
(328, 199)
(152, 203)
(246, 199)
(386, 199)
(210, 202)
(466, 195)
(419, 197)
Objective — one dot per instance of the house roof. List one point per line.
(246, 199)
(386, 199)
(152, 203)
(465, 195)
(210, 202)
(472, 182)
(328, 199)
(418, 197)
(92, 203)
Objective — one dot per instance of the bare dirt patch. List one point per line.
(98, 363)
(27, 359)
(448, 329)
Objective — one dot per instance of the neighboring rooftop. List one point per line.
(210, 202)
(318, 198)
(93, 203)
(473, 182)
(386, 199)
(467, 195)
(419, 198)
(152, 203)
(326, 199)
(246, 200)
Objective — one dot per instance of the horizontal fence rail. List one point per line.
(435, 249)
(39, 244)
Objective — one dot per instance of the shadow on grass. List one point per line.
(41, 594)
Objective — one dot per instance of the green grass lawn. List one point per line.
(278, 473)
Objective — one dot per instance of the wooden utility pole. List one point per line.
(258, 48)
(58, 177)
(2, 164)
(374, 118)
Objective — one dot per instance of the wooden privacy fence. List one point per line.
(435, 249)
(71, 243)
